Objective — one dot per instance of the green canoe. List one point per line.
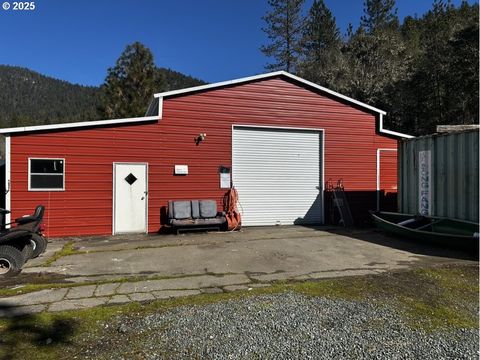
(430, 229)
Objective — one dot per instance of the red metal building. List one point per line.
(276, 136)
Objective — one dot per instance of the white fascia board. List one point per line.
(264, 76)
(217, 84)
(394, 133)
(334, 93)
(76, 125)
(390, 132)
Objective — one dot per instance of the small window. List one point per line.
(46, 174)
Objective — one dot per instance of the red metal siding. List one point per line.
(85, 207)
(388, 171)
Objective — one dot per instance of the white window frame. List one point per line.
(45, 189)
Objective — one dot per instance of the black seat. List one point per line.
(37, 216)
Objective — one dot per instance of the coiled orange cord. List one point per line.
(234, 220)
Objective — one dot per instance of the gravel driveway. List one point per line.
(281, 326)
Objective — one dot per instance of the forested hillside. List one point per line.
(27, 98)
(176, 80)
(30, 98)
(422, 71)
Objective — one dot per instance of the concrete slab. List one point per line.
(217, 260)
(106, 289)
(192, 282)
(291, 250)
(38, 297)
(77, 304)
(118, 299)
(81, 292)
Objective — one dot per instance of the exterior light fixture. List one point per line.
(200, 138)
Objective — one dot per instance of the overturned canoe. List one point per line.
(430, 229)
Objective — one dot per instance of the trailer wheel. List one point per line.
(11, 261)
(39, 245)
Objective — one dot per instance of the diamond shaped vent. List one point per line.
(130, 179)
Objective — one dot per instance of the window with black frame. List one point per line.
(46, 174)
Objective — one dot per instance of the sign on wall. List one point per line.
(424, 182)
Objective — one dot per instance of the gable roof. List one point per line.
(267, 76)
(154, 111)
(156, 106)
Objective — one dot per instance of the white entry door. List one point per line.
(130, 203)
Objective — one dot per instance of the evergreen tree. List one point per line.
(378, 14)
(462, 77)
(321, 44)
(284, 28)
(443, 84)
(130, 83)
(376, 60)
(423, 73)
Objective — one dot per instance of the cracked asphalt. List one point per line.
(162, 266)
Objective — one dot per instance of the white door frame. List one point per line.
(113, 192)
(379, 150)
(322, 168)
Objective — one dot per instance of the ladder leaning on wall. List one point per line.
(341, 203)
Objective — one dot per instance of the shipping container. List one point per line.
(438, 175)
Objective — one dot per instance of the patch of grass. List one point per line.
(351, 288)
(67, 250)
(450, 300)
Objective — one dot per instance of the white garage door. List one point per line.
(277, 173)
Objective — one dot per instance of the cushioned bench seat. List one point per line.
(195, 214)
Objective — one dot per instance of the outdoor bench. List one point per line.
(195, 215)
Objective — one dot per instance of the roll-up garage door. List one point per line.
(278, 175)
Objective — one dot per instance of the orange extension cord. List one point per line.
(234, 220)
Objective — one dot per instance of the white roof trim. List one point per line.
(76, 124)
(398, 134)
(264, 76)
(392, 133)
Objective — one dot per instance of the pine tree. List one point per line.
(130, 83)
(378, 14)
(376, 61)
(321, 44)
(284, 28)
(443, 85)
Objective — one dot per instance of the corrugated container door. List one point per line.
(278, 175)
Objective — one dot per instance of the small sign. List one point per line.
(424, 183)
(224, 180)
(181, 169)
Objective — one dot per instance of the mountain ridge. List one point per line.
(28, 97)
